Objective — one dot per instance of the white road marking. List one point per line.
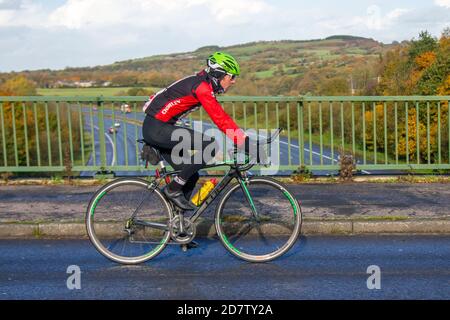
(305, 149)
(112, 144)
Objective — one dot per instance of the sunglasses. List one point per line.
(233, 76)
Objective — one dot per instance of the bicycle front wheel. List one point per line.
(127, 221)
(258, 221)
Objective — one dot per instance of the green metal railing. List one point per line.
(61, 134)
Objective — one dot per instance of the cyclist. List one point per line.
(177, 100)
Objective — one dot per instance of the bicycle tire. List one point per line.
(229, 221)
(102, 227)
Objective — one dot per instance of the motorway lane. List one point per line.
(124, 143)
(288, 153)
(115, 143)
(317, 267)
(95, 158)
(327, 159)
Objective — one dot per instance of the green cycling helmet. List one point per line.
(223, 62)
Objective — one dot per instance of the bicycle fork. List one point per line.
(249, 199)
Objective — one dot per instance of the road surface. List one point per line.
(340, 267)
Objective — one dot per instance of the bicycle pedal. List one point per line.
(190, 245)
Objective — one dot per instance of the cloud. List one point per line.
(10, 4)
(79, 14)
(101, 14)
(375, 20)
(395, 24)
(442, 3)
(16, 13)
(236, 11)
(92, 14)
(59, 33)
(104, 31)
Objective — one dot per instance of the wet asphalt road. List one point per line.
(412, 267)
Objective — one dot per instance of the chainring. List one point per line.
(188, 227)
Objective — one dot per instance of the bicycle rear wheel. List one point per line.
(263, 236)
(127, 221)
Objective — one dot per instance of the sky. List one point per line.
(55, 34)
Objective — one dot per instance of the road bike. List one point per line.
(130, 221)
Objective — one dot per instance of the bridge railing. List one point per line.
(46, 134)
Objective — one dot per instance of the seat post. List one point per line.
(153, 156)
(164, 171)
(161, 165)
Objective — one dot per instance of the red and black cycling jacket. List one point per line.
(186, 95)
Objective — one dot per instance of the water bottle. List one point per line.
(201, 195)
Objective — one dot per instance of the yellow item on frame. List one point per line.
(201, 195)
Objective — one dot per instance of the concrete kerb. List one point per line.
(12, 230)
(285, 179)
(418, 226)
(206, 228)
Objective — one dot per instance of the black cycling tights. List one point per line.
(161, 136)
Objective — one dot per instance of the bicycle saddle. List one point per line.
(149, 153)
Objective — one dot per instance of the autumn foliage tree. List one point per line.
(421, 67)
(30, 129)
(18, 86)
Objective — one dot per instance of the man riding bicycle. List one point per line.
(257, 219)
(177, 100)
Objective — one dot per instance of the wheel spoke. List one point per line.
(128, 203)
(261, 235)
(241, 233)
(113, 244)
(276, 228)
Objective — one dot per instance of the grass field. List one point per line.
(86, 92)
(264, 74)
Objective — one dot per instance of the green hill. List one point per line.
(334, 65)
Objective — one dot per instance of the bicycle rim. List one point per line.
(117, 221)
(263, 237)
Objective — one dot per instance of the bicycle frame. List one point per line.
(236, 171)
(229, 176)
(232, 173)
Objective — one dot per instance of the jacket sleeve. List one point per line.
(222, 120)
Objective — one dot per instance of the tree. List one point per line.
(434, 77)
(139, 92)
(18, 86)
(335, 87)
(24, 129)
(395, 76)
(425, 43)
